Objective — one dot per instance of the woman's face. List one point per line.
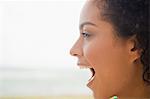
(99, 48)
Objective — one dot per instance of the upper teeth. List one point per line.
(84, 67)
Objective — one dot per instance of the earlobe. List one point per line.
(135, 54)
(134, 50)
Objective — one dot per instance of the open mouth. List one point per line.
(92, 72)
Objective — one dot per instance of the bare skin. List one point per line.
(112, 58)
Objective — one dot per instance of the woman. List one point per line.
(114, 44)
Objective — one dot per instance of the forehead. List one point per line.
(90, 12)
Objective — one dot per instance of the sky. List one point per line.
(37, 33)
(35, 39)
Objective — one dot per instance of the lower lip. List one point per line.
(90, 82)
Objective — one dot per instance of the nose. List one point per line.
(76, 50)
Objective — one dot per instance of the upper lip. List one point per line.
(82, 64)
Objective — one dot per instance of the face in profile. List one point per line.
(109, 57)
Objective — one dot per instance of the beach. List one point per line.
(48, 97)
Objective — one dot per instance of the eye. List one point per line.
(85, 34)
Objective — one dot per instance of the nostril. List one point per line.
(76, 51)
(73, 53)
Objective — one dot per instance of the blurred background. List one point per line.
(35, 39)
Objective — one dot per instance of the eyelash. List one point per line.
(85, 35)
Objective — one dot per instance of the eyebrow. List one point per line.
(86, 23)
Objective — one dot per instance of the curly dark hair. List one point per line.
(130, 18)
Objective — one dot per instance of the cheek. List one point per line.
(110, 63)
(105, 55)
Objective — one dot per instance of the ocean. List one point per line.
(43, 82)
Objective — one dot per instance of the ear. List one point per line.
(133, 49)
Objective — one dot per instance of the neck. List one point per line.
(139, 92)
(137, 89)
